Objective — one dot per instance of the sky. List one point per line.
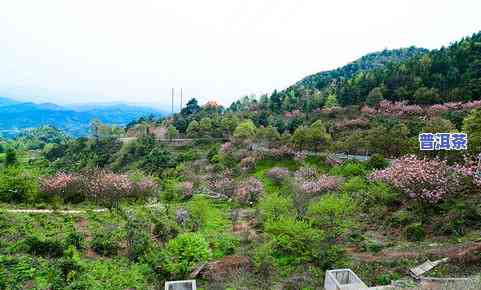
(136, 51)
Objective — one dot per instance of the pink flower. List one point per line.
(102, 186)
(59, 184)
(292, 114)
(471, 105)
(222, 185)
(305, 173)
(146, 185)
(368, 110)
(353, 123)
(186, 189)
(300, 155)
(278, 174)
(430, 180)
(247, 163)
(226, 148)
(322, 184)
(402, 109)
(249, 191)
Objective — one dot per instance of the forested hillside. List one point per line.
(418, 76)
(368, 62)
(448, 74)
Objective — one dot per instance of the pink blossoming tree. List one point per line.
(427, 179)
(278, 174)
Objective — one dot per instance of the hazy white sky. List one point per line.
(135, 51)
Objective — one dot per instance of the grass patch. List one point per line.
(263, 166)
(318, 162)
(212, 216)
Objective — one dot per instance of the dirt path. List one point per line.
(43, 211)
(469, 252)
(70, 211)
(82, 226)
(245, 224)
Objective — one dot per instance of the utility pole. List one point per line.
(180, 100)
(172, 101)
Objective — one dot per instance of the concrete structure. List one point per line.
(346, 279)
(181, 285)
(343, 279)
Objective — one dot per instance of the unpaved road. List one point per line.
(44, 211)
(69, 211)
(467, 252)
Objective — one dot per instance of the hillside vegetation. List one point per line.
(256, 197)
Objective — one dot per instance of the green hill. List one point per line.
(368, 62)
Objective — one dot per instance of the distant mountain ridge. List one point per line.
(16, 116)
(7, 102)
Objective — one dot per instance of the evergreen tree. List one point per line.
(472, 127)
(191, 107)
(375, 97)
(10, 157)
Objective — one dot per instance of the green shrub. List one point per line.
(16, 269)
(111, 274)
(223, 244)
(69, 265)
(354, 185)
(185, 252)
(47, 247)
(377, 161)
(294, 242)
(199, 209)
(188, 155)
(355, 236)
(17, 185)
(76, 239)
(228, 160)
(401, 218)
(334, 256)
(3, 275)
(158, 160)
(415, 232)
(349, 169)
(372, 246)
(213, 154)
(165, 229)
(459, 217)
(333, 213)
(169, 190)
(379, 193)
(273, 207)
(386, 278)
(105, 243)
(263, 259)
(318, 161)
(138, 237)
(10, 157)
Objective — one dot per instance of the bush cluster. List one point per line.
(17, 185)
(185, 252)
